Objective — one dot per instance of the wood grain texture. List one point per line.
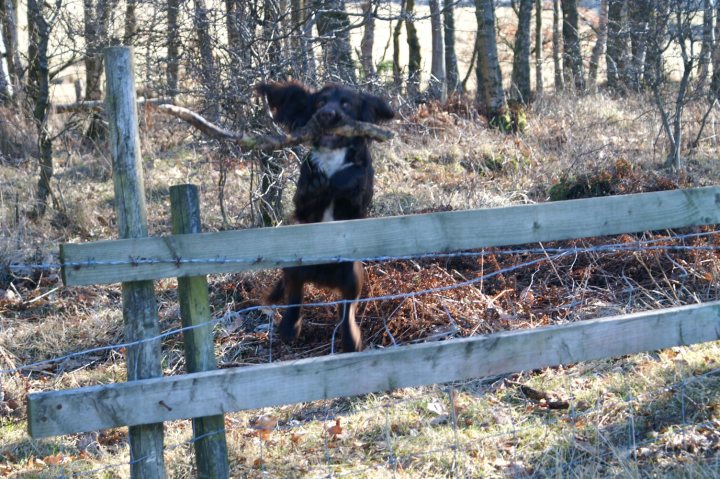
(215, 392)
(400, 235)
(139, 303)
(209, 431)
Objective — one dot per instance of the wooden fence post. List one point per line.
(139, 303)
(211, 447)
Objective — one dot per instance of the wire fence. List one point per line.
(459, 443)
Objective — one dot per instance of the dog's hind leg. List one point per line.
(291, 322)
(350, 291)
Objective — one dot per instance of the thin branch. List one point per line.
(304, 134)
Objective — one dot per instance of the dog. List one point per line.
(335, 183)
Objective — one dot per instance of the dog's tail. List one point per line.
(277, 293)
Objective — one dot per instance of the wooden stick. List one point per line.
(275, 142)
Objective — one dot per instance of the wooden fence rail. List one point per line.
(155, 258)
(216, 392)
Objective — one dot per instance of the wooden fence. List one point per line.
(205, 394)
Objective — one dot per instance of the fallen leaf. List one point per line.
(263, 426)
(54, 460)
(335, 431)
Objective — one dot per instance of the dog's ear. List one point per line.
(292, 104)
(375, 109)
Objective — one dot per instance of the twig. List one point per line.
(274, 142)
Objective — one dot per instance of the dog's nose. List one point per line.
(328, 117)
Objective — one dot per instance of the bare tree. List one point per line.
(368, 41)
(638, 26)
(490, 93)
(615, 43)
(520, 80)
(572, 55)
(39, 90)
(333, 27)
(173, 46)
(715, 83)
(397, 71)
(209, 77)
(708, 40)
(437, 87)
(130, 22)
(599, 47)
(8, 31)
(451, 65)
(557, 47)
(415, 60)
(96, 23)
(538, 48)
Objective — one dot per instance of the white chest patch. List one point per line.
(328, 213)
(329, 161)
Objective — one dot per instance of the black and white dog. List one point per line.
(336, 183)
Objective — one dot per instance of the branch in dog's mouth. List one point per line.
(306, 134)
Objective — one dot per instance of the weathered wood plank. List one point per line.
(209, 431)
(139, 304)
(426, 233)
(215, 392)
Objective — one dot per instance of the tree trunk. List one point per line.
(708, 41)
(599, 47)
(173, 47)
(96, 24)
(397, 72)
(414, 58)
(715, 84)
(557, 47)
(658, 20)
(538, 48)
(451, 65)
(367, 42)
(638, 21)
(333, 27)
(572, 55)
(39, 91)
(437, 87)
(520, 82)
(130, 23)
(209, 78)
(615, 43)
(490, 93)
(8, 31)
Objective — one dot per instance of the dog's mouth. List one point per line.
(329, 141)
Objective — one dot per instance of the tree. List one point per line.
(572, 55)
(615, 43)
(368, 41)
(8, 32)
(715, 83)
(708, 40)
(173, 46)
(557, 47)
(599, 47)
(452, 73)
(96, 22)
(490, 93)
(520, 80)
(397, 72)
(39, 90)
(414, 58)
(538, 47)
(333, 27)
(638, 24)
(437, 85)
(208, 75)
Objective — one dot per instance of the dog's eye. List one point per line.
(320, 103)
(345, 104)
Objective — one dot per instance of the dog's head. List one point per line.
(294, 104)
